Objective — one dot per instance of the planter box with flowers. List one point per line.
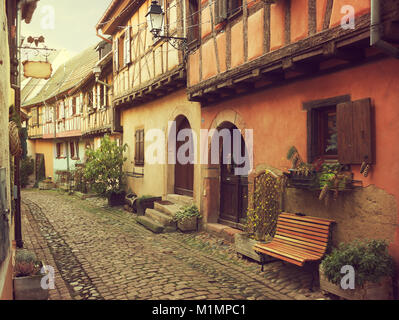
(373, 270)
(27, 277)
(187, 218)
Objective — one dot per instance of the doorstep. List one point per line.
(222, 230)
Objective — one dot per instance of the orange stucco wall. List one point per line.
(47, 148)
(279, 121)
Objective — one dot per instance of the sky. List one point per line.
(68, 24)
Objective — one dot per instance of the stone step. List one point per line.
(179, 199)
(167, 207)
(150, 224)
(161, 218)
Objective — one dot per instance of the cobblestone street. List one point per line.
(102, 253)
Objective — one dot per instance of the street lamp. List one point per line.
(97, 72)
(154, 17)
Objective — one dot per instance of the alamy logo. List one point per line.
(236, 150)
(47, 281)
(348, 280)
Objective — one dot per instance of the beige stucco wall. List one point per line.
(6, 97)
(158, 179)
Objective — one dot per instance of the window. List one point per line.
(339, 129)
(226, 8)
(60, 150)
(74, 150)
(139, 148)
(193, 21)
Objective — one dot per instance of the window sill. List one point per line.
(75, 158)
(61, 157)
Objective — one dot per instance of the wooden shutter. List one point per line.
(220, 11)
(354, 132)
(116, 54)
(142, 147)
(126, 51)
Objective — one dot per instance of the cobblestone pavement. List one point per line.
(102, 253)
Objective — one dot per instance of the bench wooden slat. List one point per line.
(300, 236)
(298, 252)
(307, 218)
(298, 239)
(307, 228)
(314, 225)
(281, 257)
(305, 231)
(300, 246)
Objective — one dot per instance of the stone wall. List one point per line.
(366, 213)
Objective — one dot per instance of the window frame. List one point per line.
(139, 147)
(314, 108)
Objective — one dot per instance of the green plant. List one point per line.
(369, 258)
(103, 170)
(80, 183)
(263, 214)
(27, 167)
(186, 212)
(26, 263)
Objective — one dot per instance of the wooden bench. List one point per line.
(298, 239)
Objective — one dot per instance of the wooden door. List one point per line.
(233, 192)
(184, 173)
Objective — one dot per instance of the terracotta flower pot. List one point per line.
(29, 288)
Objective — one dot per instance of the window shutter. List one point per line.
(220, 10)
(126, 52)
(354, 132)
(142, 146)
(136, 147)
(62, 110)
(116, 54)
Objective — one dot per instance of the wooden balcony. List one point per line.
(35, 131)
(97, 121)
(69, 127)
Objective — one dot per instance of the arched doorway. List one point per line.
(184, 172)
(233, 186)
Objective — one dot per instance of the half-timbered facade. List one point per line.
(149, 94)
(72, 112)
(303, 73)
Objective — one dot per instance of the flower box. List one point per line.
(245, 246)
(29, 288)
(188, 224)
(382, 290)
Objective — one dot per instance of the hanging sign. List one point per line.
(37, 69)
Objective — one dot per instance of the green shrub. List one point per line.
(103, 168)
(26, 263)
(369, 258)
(27, 167)
(186, 212)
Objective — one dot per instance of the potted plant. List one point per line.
(262, 214)
(187, 218)
(27, 277)
(144, 202)
(103, 171)
(373, 269)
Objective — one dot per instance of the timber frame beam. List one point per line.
(165, 84)
(302, 58)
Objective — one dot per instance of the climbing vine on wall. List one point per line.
(266, 199)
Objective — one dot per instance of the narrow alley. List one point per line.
(102, 253)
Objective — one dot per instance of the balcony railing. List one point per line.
(96, 120)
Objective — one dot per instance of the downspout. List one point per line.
(102, 37)
(375, 31)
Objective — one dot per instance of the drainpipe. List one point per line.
(102, 37)
(375, 31)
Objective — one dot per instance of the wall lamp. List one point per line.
(154, 17)
(97, 72)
